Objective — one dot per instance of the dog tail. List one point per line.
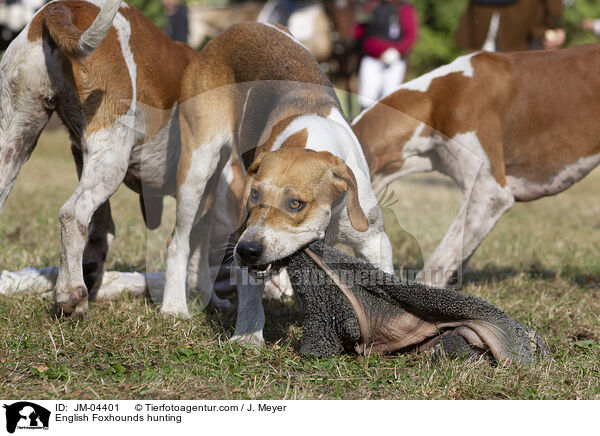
(70, 39)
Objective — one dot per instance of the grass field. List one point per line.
(540, 264)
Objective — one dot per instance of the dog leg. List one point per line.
(174, 298)
(477, 216)
(202, 273)
(104, 168)
(191, 195)
(199, 274)
(100, 236)
(484, 202)
(251, 315)
(225, 219)
(206, 142)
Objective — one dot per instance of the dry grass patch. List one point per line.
(540, 264)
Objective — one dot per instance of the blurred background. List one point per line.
(427, 33)
(438, 21)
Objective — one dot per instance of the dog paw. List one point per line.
(251, 339)
(71, 303)
(80, 310)
(175, 312)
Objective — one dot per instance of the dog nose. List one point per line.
(249, 251)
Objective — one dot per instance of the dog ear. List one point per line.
(345, 181)
(250, 174)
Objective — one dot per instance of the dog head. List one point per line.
(290, 195)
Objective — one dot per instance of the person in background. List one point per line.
(511, 25)
(176, 14)
(591, 24)
(387, 30)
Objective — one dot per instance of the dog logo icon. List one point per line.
(26, 415)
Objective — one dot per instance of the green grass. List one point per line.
(540, 264)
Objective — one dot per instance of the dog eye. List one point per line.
(296, 204)
(49, 102)
(254, 194)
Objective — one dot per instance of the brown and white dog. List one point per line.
(505, 127)
(114, 79)
(256, 90)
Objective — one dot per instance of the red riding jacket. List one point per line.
(374, 46)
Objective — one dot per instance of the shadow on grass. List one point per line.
(587, 280)
(494, 274)
(140, 266)
(435, 181)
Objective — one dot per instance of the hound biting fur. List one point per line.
(256, 90)
(378, 312)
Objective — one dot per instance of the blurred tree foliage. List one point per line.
(575, 11)
(153, 9)
(439, 20)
